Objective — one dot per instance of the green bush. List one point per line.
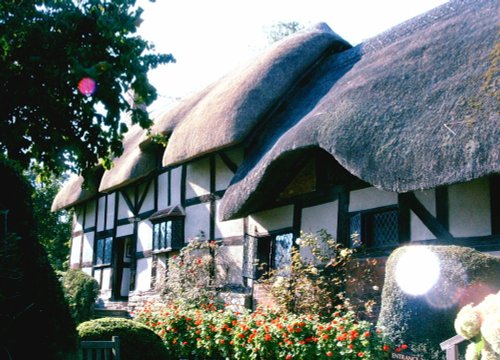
(466, 276)
(81, 293)
(137, 341)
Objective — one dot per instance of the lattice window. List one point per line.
(168, 234)
(103, 251)
(376, 228)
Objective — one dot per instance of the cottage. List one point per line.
(390, 142)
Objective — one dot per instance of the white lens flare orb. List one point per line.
(417, 270)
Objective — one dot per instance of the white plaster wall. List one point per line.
(370, 198)
(124, 230)
(124, 211)
(149, 201)
(106, 279)
(229, 263)
(274, 219)
(175, 186)
(110, 221)
(227, 228)
(125, 282)
(76, 244)
(97, 275)
(418, 230)
(197, 219)
(87, 270)
(78, 219)
(198, 178)
(90, 214)
(145, 236)
(223, 175)
(319, 217)
(163, 191)
(88, 247)
(101, 214)
(143, 277)
(469, 207)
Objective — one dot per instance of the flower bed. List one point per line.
(211, 333)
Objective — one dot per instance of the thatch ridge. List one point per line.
(407, 110)
(231, 108)
(78, 189)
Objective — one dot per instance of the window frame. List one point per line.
(172, 240)
(97, 246)
(366, 239)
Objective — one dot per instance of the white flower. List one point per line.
(490, 329)
(471, 353)
(467, 322)
(488, 354)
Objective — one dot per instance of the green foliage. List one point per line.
(81, 293)
(281, 30)
(53, 229)
(137, 341)
(209, 333)
(424, 321)
(315, 281)
(193, 277)
(47, 48)
(31, 298)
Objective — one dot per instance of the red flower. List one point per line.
(361, 354)
(329, 354)
(398, 349)
(288, 357)
(267, 337)
(404, 346)
(222, 341)
(366, 334)
(386, 348)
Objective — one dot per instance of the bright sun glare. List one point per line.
(417, 270)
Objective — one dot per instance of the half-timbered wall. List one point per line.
(270, 220)
(469, 208)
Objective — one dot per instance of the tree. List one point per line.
(281, 30)
(53, 229)
(64, 67)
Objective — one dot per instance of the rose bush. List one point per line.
(212, 333)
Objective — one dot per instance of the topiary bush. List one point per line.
(424, 321)
(137, 341)
(81, 293)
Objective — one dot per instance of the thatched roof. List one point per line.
(226, 112)
(76, 191)
(134, 163)
(413, 108)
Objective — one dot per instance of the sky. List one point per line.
(209, 38)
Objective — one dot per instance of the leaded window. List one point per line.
(266, 252)
(377, 228)
(168, 234)
(103, 251)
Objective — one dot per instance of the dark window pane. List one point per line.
(384, 229)
(99, 254)
(168, 235)
(177, 233)
(355, 230)
(108, 242)
(282, 250)
(156, 236)
(161, 244)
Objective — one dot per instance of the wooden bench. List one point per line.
(101, 350)
(451, 347)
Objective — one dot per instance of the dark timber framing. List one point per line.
(495, 203)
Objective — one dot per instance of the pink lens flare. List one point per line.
(87, 86)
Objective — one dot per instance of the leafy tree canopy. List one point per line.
(65, 67)
(282, 29)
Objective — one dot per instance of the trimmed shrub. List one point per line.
(423, 321)
(137, 341)
(81, 293)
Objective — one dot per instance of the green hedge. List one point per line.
(137, 341)
(81, 293)
(424, 321)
